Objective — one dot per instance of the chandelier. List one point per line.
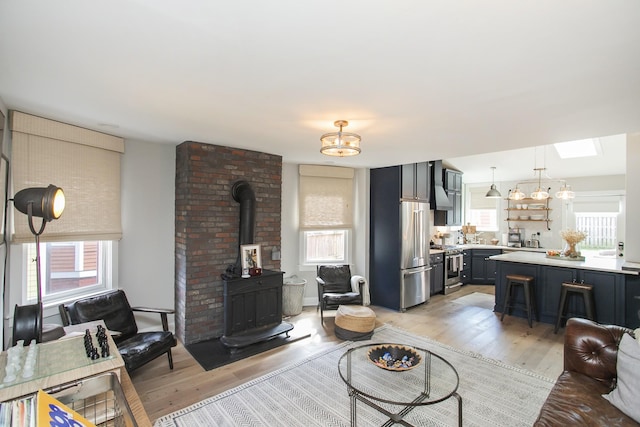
(540, 192)
(340, 144)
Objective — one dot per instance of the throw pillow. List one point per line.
(637, 334)
(625, 395)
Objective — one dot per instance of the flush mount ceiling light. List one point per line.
(340, 144)
(493, 193)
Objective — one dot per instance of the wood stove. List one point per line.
(253, 310)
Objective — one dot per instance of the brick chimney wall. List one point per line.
(207, 227)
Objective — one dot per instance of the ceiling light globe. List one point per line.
(340, 144)
(539, 194)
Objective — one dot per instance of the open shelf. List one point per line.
(511, 207)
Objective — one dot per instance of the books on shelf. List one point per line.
(40, 409)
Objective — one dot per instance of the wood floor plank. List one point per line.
(459, 325)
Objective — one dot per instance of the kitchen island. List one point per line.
(616, 285)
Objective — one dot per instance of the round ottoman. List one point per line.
(354, 322)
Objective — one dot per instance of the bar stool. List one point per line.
(527, 286)
(581, 289)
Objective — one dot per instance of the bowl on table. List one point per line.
(394, 357)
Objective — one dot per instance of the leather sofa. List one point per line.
(590, 354)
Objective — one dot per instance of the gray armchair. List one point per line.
(334, 288)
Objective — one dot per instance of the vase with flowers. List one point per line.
(572, 238)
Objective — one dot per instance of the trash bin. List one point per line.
(292, 296)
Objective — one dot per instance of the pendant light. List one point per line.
(516, 194)
(493, 193)
(540, 193)
(340, 144)
(565, 192)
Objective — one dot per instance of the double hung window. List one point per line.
(326, 214)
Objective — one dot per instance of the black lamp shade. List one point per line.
(46, 203)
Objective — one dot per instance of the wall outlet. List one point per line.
(620, 250)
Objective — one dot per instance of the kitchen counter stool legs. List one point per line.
(586, 291)
(526, 282)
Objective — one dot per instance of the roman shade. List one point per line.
(477, 199)
(597, 204)
(84, 163)
(326, 197)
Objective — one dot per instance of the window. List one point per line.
(326, 246)
(326, 214)
(69, 269)
(598, 215)
(601, 229)
(483, 212)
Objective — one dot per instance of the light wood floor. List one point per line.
(459, 325)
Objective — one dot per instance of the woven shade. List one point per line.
(326, 197)
(84, 163)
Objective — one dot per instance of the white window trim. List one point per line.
(467, 204)
(50, 304)
(311, 266)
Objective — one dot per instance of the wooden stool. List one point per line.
(586, 291)
(527, 286)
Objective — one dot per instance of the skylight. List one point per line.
(579, 148)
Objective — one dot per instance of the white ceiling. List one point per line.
(419, 80)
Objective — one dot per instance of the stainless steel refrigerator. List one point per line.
(414, 265)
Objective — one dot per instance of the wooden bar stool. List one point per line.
(581, 289)
(527, 286)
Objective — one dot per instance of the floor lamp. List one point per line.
(48, 204)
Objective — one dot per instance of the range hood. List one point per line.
(439, 198)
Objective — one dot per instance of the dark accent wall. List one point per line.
(207, 228)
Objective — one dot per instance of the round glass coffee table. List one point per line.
(429, 381)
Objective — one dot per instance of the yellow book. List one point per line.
(53, 413)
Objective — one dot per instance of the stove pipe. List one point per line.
(243, 194)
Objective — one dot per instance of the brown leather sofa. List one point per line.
(590, 353)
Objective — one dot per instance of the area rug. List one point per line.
(311, 393)
(477, 299)
(211, 354)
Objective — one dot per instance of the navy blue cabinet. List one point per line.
(613, 292)
(416, 181)
(632, 301)
(437, 273)
(483, 269)
(550, 280)
(466, 267)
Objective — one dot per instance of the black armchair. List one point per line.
(334, 288)
(136, 348)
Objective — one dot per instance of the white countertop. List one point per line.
(612, 265)
(501, 247)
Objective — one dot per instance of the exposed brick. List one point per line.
(206, 228)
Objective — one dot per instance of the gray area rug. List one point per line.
(311, 393)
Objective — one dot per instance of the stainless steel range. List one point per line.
(453, 269)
